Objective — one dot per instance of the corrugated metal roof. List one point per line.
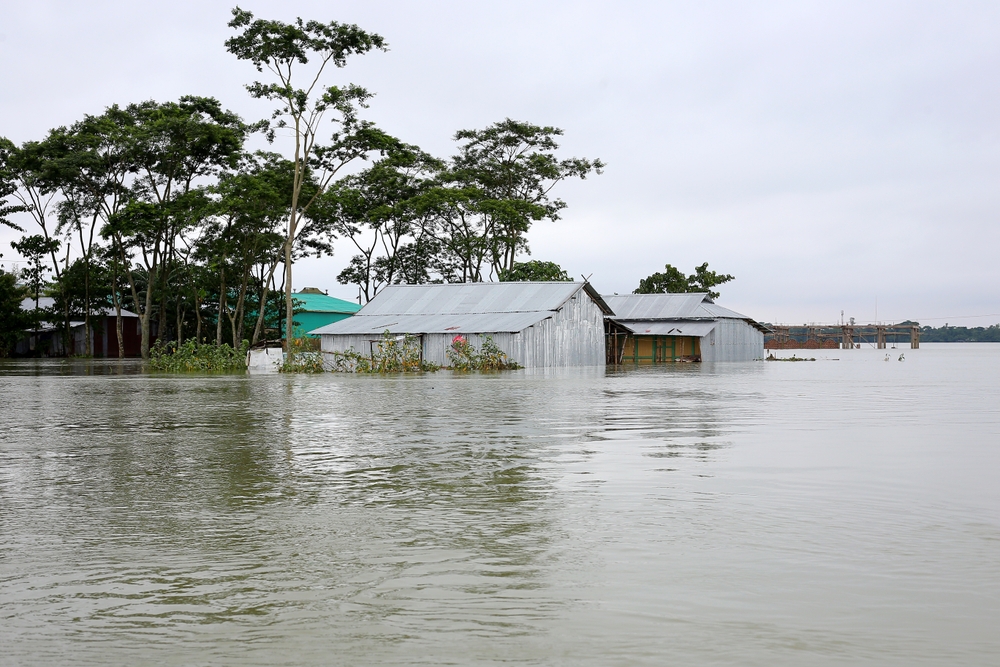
(461, 308)
(461, 298)
(657, 306)
(323, 303)
(427, 324)
(716, 310)
(660, 307)
(49, 302)
(696, 328)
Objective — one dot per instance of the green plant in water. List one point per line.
(465, 357)
(305, 357)
(391, 354)
(191, 356)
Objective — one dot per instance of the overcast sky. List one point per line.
(830, 155)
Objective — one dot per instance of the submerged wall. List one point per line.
(732, 340)
(572, 336)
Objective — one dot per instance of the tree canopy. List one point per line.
(673, 280)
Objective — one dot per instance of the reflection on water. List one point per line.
(831, 512)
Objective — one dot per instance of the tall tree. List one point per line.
(171, 147)
(502, 179)
(378, 209)
(87, 163)
(303, 103)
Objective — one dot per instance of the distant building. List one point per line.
(48, 341)
(319, 309)
(655, 328)
(538, 324)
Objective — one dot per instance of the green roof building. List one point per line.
(319, 309)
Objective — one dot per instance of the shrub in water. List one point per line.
(304, 357)
(465, 357)
(192, 356)
(391, 354)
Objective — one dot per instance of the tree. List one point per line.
(672, 280)
(8, 185)
(534, 270)
(34, 248)
(283, 48)
(171, 147)
(378, 210)
(15, 322)
(245, 236)
(87, 163)
(498, 184)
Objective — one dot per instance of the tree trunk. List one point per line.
(222, 309)
(262, 307)
(197, 316)
(118, 311)
(289, 324)
(144, 316)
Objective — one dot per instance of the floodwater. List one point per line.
(838, 512)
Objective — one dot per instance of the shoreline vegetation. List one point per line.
(392, 354)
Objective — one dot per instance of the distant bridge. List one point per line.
(840, 336)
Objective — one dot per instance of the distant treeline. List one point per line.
(950, 334)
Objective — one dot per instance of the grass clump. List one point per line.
(190, 356)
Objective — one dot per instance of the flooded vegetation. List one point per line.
(759, 514)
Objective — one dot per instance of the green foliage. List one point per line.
(191, 356)
(534, 270)
(949, 334)
(493, 190)
(8, 184)
(391, 354)
(14, 322)
(464, 356)
(33, 248)
(673, 281)
(304, 357)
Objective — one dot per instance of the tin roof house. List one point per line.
(538, 324)
(47, 339)
(656, 328)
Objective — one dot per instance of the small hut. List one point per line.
(656, 328)
(538, 324)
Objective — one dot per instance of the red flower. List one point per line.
(457, 339)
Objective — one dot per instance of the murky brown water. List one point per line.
(837, 512)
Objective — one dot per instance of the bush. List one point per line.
(303, 357)
(464, 356)
(192, 356)
(392, 354)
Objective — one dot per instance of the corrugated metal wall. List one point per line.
(732, 340)
(573, 336)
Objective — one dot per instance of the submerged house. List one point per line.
(318, 309)
(656, 328)
(48, 341)
(538, 324)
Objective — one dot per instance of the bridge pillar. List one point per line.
(846, 338)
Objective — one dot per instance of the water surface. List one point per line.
(826, 513)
